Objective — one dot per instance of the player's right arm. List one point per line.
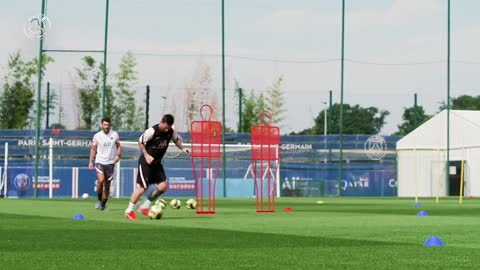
(142, 141)
(93, 152)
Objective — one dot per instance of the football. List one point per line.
(155, 212)
(85, 196)
(175, 204)
(191, 204)
(161, 202)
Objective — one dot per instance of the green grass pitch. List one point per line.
(342, 233)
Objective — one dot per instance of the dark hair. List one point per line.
(168, 118)
(106, 119)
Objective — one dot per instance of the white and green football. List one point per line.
(191, 204)
(155, 212)
(175, 204)
(161, 202)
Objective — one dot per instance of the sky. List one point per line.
(393, 49)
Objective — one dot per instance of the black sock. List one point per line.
(104, 203)
(99, 196)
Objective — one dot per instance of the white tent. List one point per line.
(422, 155)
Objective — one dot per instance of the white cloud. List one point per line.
(287, 22)
(413, 11)
(399, 14)
(394, 32)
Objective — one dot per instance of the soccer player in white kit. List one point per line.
(106, 151)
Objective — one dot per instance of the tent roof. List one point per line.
(464, 132)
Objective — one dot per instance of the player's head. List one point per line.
(167, 122)
(106, 124)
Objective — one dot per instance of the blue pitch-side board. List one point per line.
(302, 168)
(181, 183)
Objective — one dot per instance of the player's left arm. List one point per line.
(119, 150)
(177, 140)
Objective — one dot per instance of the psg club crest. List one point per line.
(22, 182)
(375, 147)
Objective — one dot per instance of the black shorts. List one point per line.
(106, 169)
(150, 174)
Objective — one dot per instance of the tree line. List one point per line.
(356, 119)
(370, 120)
(17, 101)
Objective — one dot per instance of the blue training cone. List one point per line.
(417, 204)
(422, 214)
(78, 217)
(433, 241)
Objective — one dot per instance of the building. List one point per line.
(422, 156)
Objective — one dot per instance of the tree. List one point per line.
(109, 101)
(462, 103)
(90, 93)
(120, 103)
(356, 120)
(410, 121)
(90, 85)
(57, 126)
(253, 104)
(17, 100)
(275, 102)
(125, 113)
(307, 131)
(249, 111)
(43, 102)
(252, 107)
(196, 93)
(214, 103)
(239, 99)
(52, 102)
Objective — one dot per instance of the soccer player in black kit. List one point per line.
(153, 143)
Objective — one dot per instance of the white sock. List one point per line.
(130, 207)
(146, 204)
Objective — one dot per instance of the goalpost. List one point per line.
(270, 169)
(174, 152)
(238, 161)
(179, 167)
(3, 173)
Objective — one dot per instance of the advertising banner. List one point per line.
(325, 183)
(21, 182)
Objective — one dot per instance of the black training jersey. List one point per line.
(156, 142)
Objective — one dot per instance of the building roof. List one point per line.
(432, 135)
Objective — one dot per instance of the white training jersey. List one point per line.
(106, 146)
